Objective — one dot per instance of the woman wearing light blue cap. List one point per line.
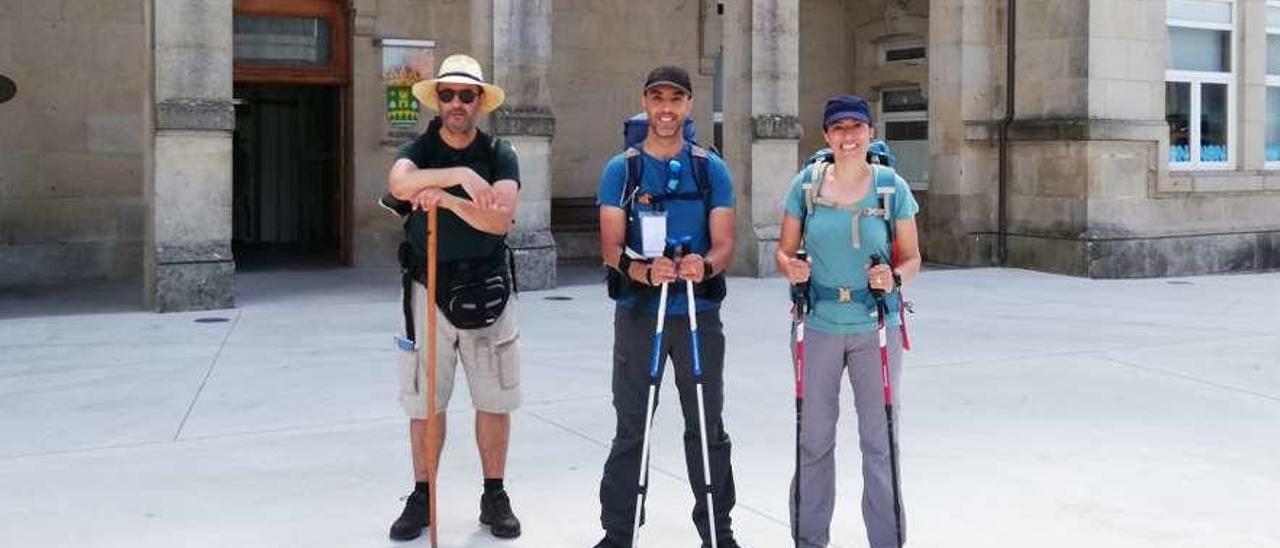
(856, 222)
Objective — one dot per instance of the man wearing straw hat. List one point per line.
(472, 179)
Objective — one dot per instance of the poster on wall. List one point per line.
(404, 62)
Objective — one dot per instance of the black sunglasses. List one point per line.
(467, 96)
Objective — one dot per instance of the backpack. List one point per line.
(884, 177)
(634, 131)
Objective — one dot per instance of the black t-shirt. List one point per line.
(493, 160)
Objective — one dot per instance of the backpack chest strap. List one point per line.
(857, 212)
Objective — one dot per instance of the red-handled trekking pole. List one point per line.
(799, 309)
(882, 310)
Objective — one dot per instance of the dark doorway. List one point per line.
(287, 179)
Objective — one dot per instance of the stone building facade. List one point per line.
(147, 139)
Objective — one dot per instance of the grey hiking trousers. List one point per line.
(827, 357)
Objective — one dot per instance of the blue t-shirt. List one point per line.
(685, 217)
(828, 239)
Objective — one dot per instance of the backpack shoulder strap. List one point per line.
(701, 177)
(810, 184)
(494, 142)
(815, 173)
(631, 184)
(886, 181)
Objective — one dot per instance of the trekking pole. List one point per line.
(655, 367)
(433, 456)
(882, 310)
(799, 308)
(695, 348)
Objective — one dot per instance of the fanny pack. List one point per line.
(470, 293)
(473, 294)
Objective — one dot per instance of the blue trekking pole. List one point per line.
(655, 369)
(696, 349)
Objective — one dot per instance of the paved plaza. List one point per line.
(1038, 411)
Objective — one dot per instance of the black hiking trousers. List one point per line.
(632, 348)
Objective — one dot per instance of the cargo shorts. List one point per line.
(489, 356)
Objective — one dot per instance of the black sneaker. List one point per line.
(413, 519)
(495, 511)
(607, 542)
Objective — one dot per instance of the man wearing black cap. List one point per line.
(667, 175)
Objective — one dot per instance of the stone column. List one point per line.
(188, 262)
(762, 72)
(521, 49)
(966, 83)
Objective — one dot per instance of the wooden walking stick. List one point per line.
(433, 452)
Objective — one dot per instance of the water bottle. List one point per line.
(673, 174)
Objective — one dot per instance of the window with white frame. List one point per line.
(1200, 83)
(904, 125)
(1273, 84)
(903, 50)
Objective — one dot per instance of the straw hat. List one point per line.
(459, 69)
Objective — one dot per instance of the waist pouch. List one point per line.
(471, 293)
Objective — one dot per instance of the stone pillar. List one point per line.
(966, 102)
(762, 126)
(188, 262)
(521, 49)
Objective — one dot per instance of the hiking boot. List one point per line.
(607, 542)
(495, 511)
(413, 519)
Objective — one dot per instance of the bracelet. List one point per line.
(624, 264)
(648, 274)
(708, 271)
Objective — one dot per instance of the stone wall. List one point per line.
(71, 144)
(826, 59)
(376, 234)
(603, 49)
(1091, 192)
(966, 87)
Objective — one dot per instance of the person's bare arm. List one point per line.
(795, 270)
(906, 247)
(720, 224)
(613, 235)
(406, 181)
(494, 220)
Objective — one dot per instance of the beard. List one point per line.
(665, 130)
(662, 131)
(459, 124)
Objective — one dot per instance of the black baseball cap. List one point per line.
(669, 75)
